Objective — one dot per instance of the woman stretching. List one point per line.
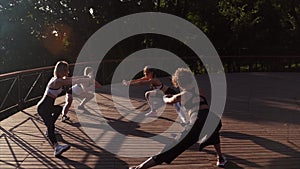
(196, 105)
(156, 85)
(46, 108)
(81, 91)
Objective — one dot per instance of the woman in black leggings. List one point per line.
(46, 108)
(197, 107)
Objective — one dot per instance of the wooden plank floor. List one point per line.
(261, 129)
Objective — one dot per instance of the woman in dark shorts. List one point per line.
(196, 105)
(158, 90)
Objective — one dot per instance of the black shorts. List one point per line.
(171, 91)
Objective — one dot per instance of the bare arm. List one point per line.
(172, 99)
(76, 80)
(142, 80)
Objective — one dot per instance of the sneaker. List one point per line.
(56, 132)
(221, 161)
(65, 118)
(151, 114)
(60, 149)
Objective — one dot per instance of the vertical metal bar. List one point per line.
(8, 92)
(32, 86)
(19, 91)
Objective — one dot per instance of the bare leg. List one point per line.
(69, 100)
(218, 150)
(180, 112)
(153, 109)
(87, 98)
(148, 96)
(221, 160)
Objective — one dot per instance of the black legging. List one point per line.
(187, 139)
(49, 113)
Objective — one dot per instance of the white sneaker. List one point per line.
(221, 162)
(60, 149)
(65, 118)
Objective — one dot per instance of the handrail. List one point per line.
(22, 89)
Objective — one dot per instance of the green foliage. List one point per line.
(235, 27)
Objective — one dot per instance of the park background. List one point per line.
(256, 39)
(249, 35)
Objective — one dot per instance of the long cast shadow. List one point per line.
(30, 149)
(264, 142)
(87, 146)
(293, 159)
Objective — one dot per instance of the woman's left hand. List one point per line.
(125, 83)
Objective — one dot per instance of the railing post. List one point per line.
(20, 105)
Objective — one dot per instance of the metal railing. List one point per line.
(22, 89)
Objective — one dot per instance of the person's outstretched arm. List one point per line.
(142, 80)
(171, 99)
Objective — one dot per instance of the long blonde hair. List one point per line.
(61, 68)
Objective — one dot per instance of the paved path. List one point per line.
(261, 129)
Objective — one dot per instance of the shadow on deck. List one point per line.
(261, 129)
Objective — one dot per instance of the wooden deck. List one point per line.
(261, 129)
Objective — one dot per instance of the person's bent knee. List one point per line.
(147, 95)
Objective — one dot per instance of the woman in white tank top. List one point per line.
(46, 108)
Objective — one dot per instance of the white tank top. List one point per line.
(54, 92)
